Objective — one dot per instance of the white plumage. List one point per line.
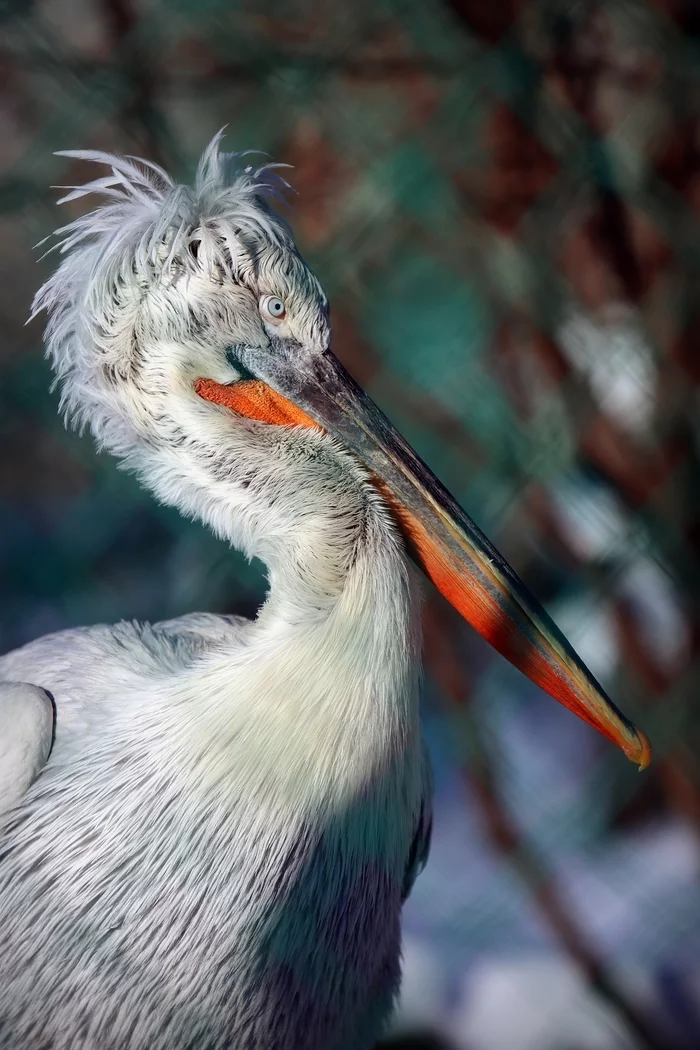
(26, 735)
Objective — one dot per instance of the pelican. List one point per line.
(216, 850)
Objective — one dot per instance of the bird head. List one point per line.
(174, 306)
(164, 283)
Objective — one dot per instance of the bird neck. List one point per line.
(286, 495)
(324, 692)
(327, 678)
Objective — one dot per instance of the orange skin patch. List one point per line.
(256, 400)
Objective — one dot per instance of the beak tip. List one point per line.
(640, 750)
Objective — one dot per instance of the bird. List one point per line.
(210, 825)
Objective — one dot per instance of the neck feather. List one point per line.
(328, 678)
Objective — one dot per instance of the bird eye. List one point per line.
(272, 309)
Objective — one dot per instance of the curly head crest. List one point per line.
(147, 234)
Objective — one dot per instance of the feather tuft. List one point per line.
(139, 236)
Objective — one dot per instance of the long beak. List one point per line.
(295, 386)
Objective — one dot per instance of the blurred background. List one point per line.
(502, 200)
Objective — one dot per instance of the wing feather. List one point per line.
(27, 719)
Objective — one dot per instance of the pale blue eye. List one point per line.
(272, 308)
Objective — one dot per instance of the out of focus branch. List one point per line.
(676, 770)
(140, 114)
(451, 675)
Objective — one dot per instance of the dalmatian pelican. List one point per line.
(216, 850)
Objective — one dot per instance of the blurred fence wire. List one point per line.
(503, 203)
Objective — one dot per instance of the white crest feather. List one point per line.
(140, 236)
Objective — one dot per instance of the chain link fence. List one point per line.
(503, 203)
